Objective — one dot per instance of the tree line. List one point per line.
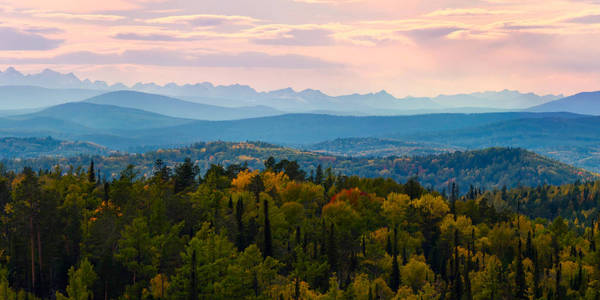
(283, 233)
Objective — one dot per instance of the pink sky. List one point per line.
(407, 47)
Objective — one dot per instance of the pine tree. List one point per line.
(240, 240)
(193, 293)
(268, 251)
(529, 246)
(395, 276)
(256, 186)
(537, 291)
(557, 287)
(332, 250)
(521, 285)
(364, 247)
(91, 173)
(319, 175)
(467, 270)
(457, 288)
(388, 246)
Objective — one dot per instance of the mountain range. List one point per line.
(583, 103)
(68, 87)
(571, 138)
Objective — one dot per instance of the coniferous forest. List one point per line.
(276, 233)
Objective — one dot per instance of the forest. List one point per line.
(484, 168)
(279, 233)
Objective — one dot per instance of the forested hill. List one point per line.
(241, 234)
(11, 147)
(488, 169)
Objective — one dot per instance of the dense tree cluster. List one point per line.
(238, 233)
(487, 168)
(577, 202)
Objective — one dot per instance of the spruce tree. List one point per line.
(319, 175)
(268, 251)
(529, 246)
(332, 250)
(193, 293)
(520, 284)
(537, 291)
(557, 287)
(240, 240)
(395, 276)
(91, 173)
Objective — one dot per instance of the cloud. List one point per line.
(163, 57)
(300, 37)
(524, 26)
(149, 37)
(328, 1)
(430, 33)
(13, 39)
(82, 17)
(468, 12)
(588, 19)
(44, 30)
(475, 35)
(204, 20)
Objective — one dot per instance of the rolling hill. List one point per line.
(583, 103)
(30, 97)
(374, 147)
(179, 108)
(98, 116)
(488, 168)
(21, 148)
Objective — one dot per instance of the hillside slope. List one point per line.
(488, 168)
(12, 147)
(105, 116)
(583, 103)
(179, 108)
(28, 97)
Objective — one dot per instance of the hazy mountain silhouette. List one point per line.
(17, 97)
(582, 103)
(179, 108)
(97, 116)
(287, 99)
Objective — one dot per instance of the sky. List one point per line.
(406, 47)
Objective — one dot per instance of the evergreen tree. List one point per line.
(558, 290)
(332, 253)
(537, 290)
(319, 175)
(520, 284)
(91, 173)
(193, 293)
(240, 240)
(268, 247)
(395, 275)
(80, 282)
(185, 175)
(256, 186)
(529, 246)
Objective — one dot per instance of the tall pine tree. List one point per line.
(268, 251)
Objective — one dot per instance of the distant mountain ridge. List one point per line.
(583, 103)
(179, 108)
(23, 148)
(103, 117)
(287, 99)
(18, 97)
(505, 99)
